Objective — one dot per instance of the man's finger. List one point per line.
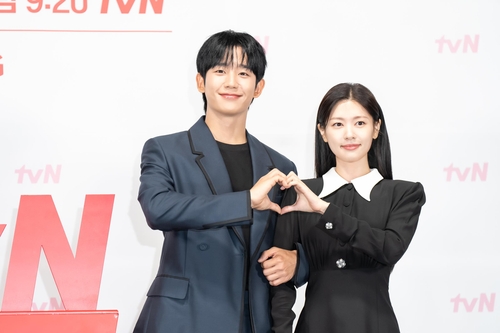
(275, 207)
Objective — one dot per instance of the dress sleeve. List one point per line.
(385, 245)
(283, 296)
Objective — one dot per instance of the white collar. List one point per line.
(363, 185)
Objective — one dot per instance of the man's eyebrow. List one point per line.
(225, 64)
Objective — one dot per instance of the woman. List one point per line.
(353, 221)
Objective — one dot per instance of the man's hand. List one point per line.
(259, 192)
(306, 201)
(278, 265)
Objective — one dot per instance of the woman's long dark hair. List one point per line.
(379, 156)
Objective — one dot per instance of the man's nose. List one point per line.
(231, 80)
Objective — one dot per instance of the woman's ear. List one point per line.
(377, 129)
(322, 132)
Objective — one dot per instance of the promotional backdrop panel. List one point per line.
(83, 84)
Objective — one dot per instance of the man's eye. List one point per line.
(219, 71)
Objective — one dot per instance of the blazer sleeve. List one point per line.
(302, 270)
(287, 236)
(165, 208)
(386, 245)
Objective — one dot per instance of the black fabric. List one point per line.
(352, 249)
(239, 166)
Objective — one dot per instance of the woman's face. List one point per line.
(349, 133)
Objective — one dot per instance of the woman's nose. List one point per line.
(349, 132)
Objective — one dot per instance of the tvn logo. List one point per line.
(459, 45)
(264, 41)
(1, 66)
(52, 305)
(35, 176)
(77, 274)
(476, 304)
(64, 6)
(126, 6)
(467, 174)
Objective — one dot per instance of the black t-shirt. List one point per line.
(239, 166)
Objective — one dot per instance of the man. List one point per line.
(214, 191)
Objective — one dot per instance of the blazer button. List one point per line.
(203, 247)
(340, 263)
(329, 225)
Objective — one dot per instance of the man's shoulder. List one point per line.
(281, 161)
(179, 134)
(169, 136)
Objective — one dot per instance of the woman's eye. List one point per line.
(360, 123)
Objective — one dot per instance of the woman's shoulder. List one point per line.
(402, 188)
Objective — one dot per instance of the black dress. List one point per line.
(352, 249)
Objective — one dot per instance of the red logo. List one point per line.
(126, 6)
(77, 276)
(8, 6)
(81, 6)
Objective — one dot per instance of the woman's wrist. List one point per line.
(324, 206)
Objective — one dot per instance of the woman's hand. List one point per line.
(307, 201)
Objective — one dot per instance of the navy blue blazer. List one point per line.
(186, 192)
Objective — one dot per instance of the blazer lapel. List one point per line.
(211, 163)
(209, 158)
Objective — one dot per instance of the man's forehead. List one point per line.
(234, 57)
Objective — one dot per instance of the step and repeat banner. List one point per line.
(84, 83)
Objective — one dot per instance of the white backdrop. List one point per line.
(80, 93)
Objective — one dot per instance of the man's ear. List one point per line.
(259, 88)
(200, 83)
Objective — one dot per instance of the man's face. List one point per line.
(229, 88)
